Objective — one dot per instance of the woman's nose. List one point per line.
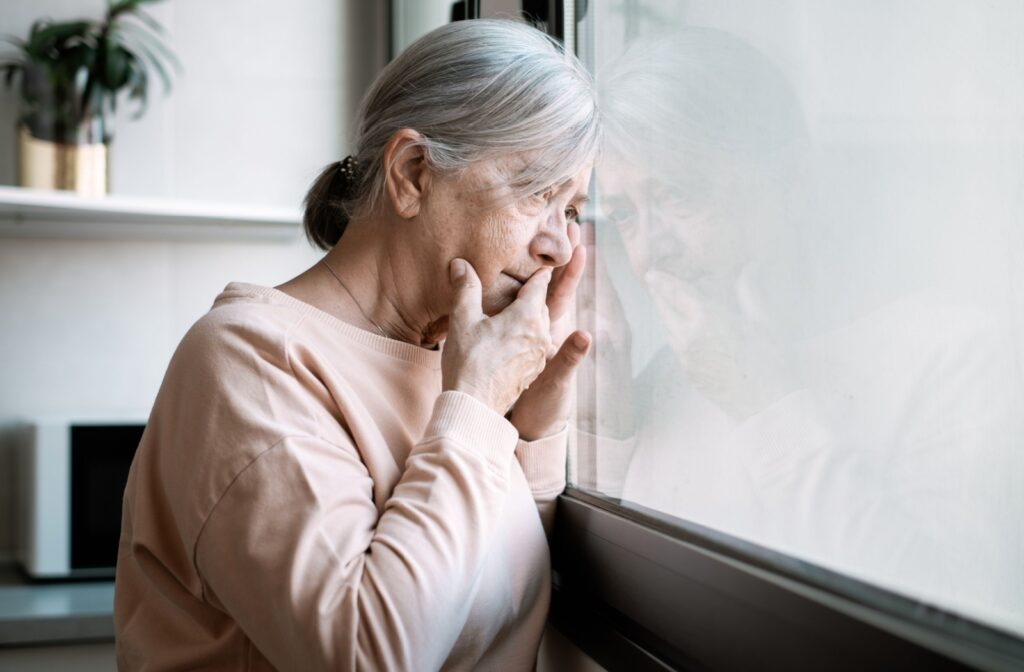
(551, 246)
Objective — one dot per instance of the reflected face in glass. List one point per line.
(476, 216)
(667, 230)
(702, 259)
(687, 253)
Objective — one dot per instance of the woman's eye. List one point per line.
(571, 213)
(620, 215)
(623, 218)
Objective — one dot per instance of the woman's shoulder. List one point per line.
(241, 324)
(253, 309)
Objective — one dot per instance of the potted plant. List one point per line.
(71, 76)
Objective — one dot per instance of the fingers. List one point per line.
(535, 290)
(467, 297)
(573, 232)
(562, 289)
(561, 367)
(566, 279)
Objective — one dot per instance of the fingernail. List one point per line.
(458, 269)
(580, 341)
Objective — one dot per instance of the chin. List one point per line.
(500, 294)
(495, 301)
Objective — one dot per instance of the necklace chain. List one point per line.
(353, 297)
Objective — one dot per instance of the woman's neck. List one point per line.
(380, 284)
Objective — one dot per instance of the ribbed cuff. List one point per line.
(606, 460)
(543, 462)
(460, 418)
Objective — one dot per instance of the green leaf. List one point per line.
(148, 58)
(126, 7)
(37, 25)
(138, 89)
(148, 19)
(56, 33)
(15, 40)
(121, 7)
(154, 43)
(74, 58)
(115, 72)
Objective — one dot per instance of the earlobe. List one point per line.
(405, 172)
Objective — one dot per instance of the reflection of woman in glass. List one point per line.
(707, 139)
(876, 442)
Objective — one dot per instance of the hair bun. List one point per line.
(329, 202)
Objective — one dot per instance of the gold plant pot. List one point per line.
(82, 168)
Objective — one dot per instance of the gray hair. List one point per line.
(474, 90)
(701, 109)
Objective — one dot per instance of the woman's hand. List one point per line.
(495, 358)
(543, 409)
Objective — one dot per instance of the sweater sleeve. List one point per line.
(605, 461)
(543, 464)
(296, 552)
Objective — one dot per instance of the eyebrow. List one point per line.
(580, 198)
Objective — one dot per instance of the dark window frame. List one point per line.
(638, 589)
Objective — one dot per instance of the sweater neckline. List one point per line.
(374, 341)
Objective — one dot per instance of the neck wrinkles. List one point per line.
(387, 283)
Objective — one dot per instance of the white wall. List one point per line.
(264, 101)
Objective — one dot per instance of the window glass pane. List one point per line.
(808, 286)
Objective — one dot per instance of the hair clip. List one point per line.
(349, 167)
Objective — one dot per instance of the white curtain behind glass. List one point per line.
(809, 217)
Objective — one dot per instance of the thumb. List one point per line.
(467, 297)
(561, 367)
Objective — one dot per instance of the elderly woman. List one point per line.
(321, 484)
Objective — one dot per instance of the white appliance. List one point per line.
(70, 482)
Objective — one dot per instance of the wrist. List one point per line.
(535, 432)
(554, 430)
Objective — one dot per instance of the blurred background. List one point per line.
(262, 103)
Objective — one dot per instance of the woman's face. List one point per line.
(681, 249)
(473, 216)
(691, 256)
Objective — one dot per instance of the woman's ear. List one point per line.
(406, 175)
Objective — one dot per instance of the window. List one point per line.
(808, 300)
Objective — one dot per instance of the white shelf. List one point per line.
(41, 213)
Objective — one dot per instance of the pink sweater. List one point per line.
(305, 497)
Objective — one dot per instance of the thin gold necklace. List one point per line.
(352, 296)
